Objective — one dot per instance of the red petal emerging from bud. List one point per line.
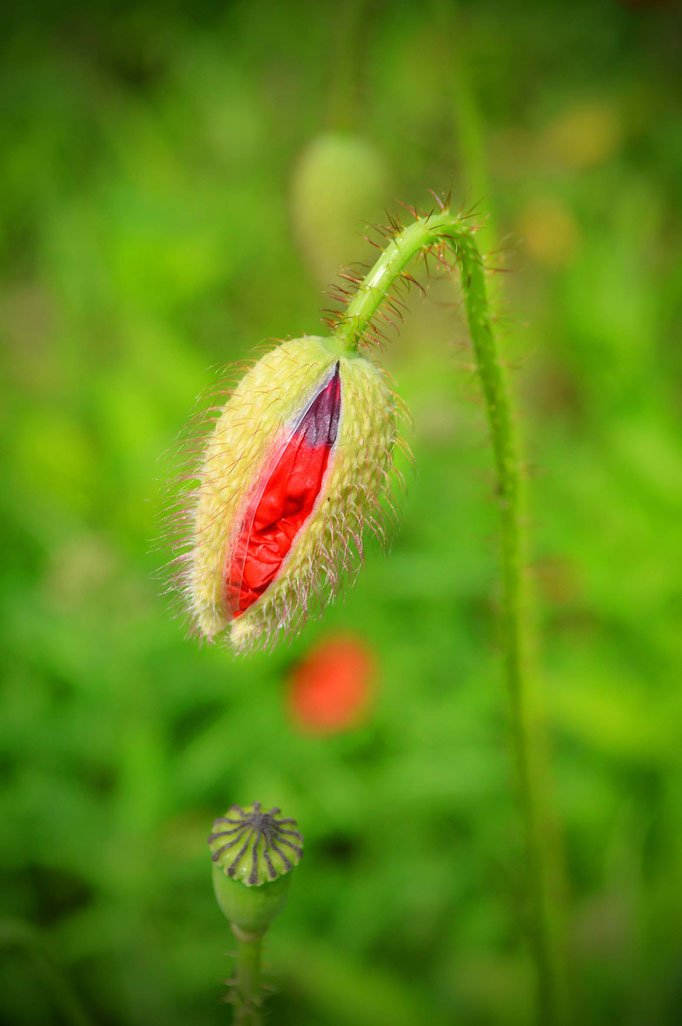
(286, 499)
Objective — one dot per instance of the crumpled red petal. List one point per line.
(285, 500)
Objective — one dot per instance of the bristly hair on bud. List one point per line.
(295, 466)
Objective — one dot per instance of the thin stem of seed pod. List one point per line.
(435, 232)
(247, 980)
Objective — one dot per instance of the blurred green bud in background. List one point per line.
(339, 186)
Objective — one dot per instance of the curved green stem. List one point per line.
(247, 980)
(446, 229)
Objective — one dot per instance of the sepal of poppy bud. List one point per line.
(296, 467)
(253, 853)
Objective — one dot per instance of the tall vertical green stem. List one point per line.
(446, 229)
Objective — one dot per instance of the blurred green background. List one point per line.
(177, 184)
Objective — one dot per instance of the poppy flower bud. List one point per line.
(295, 468)
(253, 853)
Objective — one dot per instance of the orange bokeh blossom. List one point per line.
(332, 687)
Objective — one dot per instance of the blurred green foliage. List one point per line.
(146, 237)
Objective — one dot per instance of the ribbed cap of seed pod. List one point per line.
(295, 468)
(254, 846)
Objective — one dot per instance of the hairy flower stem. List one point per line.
(436, 232)
(247, 980)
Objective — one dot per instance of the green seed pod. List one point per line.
(253, 853)
(338, 187)
(295, 468)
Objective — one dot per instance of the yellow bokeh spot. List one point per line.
(549, 231)
(585, 134)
